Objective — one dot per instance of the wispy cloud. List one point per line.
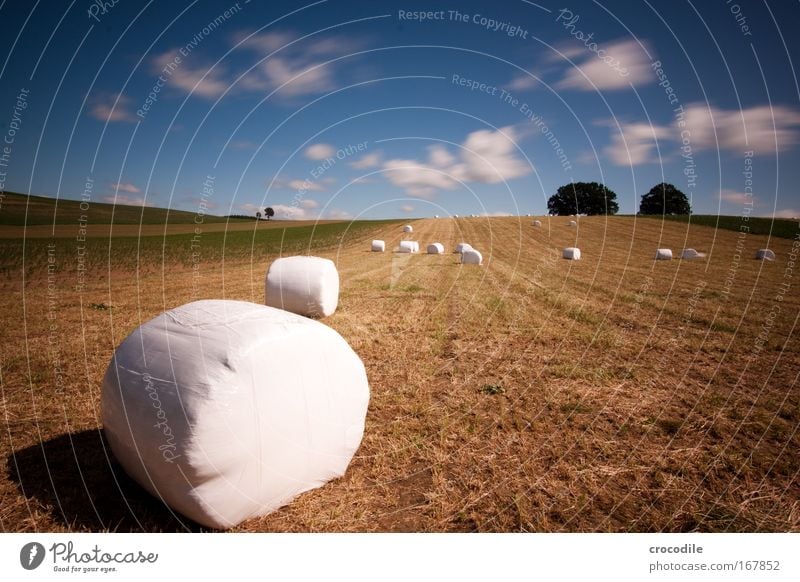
(126, 187)
(786, 213)
(615, 65)
(196, 80)
(486, 156)
(633, 144)
(522, 83)
(407, 208)
(304, 185)
(372, 160)
(297, 68)
(761, 128)
(319, 151)
(111, 107)
(735, 197)
(125, 200)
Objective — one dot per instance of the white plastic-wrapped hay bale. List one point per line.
(462, 246)
(435, 248)
(227, 410)
(455, 216)
(689, 254)
(436, 216)
(304, 285)
(765, 255)
(572, 223)
(408, 246)
(572, 253)
(408, 228)
(378, 246)
(663, 254)
(537, 223)
(471, 257)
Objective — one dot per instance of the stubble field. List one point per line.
(532, 393)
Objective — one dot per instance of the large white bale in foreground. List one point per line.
(304, 285)
(471, 257)
(572, 253)
(691, 254)
(461, 247)
(378, 246)
(435, 248)
(663, 254)
(537, 223)
(765, 255)
(228, 410)
(408, 246)
(408, 228)
(572, 223)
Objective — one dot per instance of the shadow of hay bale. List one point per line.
(75, 477)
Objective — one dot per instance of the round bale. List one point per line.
(378, 246)
(304, 285)
(227, 410)
(572, 253)
(435, 248)
(471, 257)
(765, 255)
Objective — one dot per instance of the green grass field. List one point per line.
(24, 210)
(779, 227)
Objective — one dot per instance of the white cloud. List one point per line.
(755, 128)
(336, 214)
(486, 156)
(735, 197)
(616, 65)
(298, 68)
(320, 151)
(126, 187)
(122, 199)
(522, 83)
(633, 144)
(304, 185)
(111, 107)
(285, 212)
(372, 160)
(496, 213)
(407, 208)
(308, 203)
(205, 82)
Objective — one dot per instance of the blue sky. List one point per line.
(340, 109)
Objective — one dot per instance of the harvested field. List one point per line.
(614, 393)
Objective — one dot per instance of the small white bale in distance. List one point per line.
(304, 285)
(765, 255)
(461, 247)
(408, 228)
(455, 216)
(572, 223)
(691, 254)
(572, 253)
(378, 246)
(663, 254)
(435, 248)
(408, 246)
(471, 257)
(436, 216)
(228, 410)
(537, 223)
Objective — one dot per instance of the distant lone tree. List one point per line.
(269, 212)
(583, 198)
(665, 199)
(258, 216)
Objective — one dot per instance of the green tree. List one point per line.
(583, 198)
(269, 212)
(665, 199)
